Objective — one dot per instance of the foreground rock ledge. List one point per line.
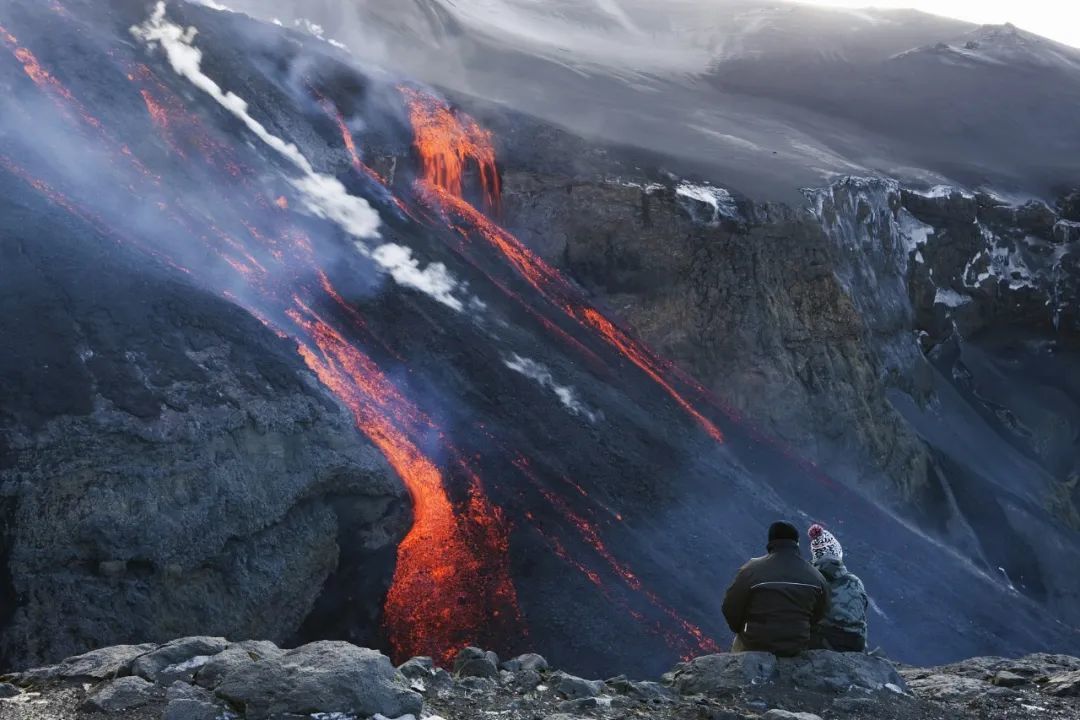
(210, 678)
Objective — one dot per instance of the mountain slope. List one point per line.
(572, 491)
(770, 96)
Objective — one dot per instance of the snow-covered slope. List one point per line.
(767, 96)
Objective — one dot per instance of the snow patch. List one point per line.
(943, 191)
(542, 375)
(318, 31)
(951, 298)
(214, 5)
(719, 200)
(323, 195)
(647, 188)
(914, 233)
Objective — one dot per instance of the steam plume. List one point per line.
(542, 375)
(323, 195)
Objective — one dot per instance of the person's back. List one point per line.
(775, 600)
(844, 626)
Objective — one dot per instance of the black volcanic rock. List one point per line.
(163, 461)
(340, 680)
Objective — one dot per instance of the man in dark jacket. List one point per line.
(775, 600)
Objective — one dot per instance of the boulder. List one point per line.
(650, 692)
(947, 688)
(573, 687)
(829, 671)
(234, 656)
(101, 664)
(525, 680)
(177, 660)
(720, 673)
(189, 702)
(1064, 685)
(327, 676)
(1004, 678)
(8, 690)
(122, 694)
(474, 662)
(528, 661)
(417, 668)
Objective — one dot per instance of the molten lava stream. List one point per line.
(447, 142)
(452, 576)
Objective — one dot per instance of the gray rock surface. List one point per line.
(214, 474)
(474, 662)
(527, 661)
(573, 687)
(1064, 685)
(97, 664)
(122, 694)
(177, 660)
(324, 676)
(187, 702)
(236, 655)
(817, 670)
(417, 668)
(828, 671)
(713, 673)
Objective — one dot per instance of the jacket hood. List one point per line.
(830, 567)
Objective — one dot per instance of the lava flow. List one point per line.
(444, 139)
(451, 585)
(449, 557)
(448, 142)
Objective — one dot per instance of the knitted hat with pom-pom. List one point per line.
(823, 544)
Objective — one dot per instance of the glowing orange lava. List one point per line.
(548, 282)
(447, 142)
(447, 557)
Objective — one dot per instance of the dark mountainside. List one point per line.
(273, 370)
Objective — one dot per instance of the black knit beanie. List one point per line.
(783, 531)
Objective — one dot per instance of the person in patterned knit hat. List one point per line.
(844, 626)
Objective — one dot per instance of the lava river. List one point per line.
(275, 251)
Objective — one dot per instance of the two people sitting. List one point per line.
(782, 604)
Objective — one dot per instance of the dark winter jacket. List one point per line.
(775, 600)
(844, 624)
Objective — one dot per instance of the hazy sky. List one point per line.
(1057, 19)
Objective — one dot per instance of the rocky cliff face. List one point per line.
(864, 330)
(164, 462)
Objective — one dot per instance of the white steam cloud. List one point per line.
(323, 195)
(540, 373)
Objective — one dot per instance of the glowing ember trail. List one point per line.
(347, 137)
(447, 142)
(590, 535)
